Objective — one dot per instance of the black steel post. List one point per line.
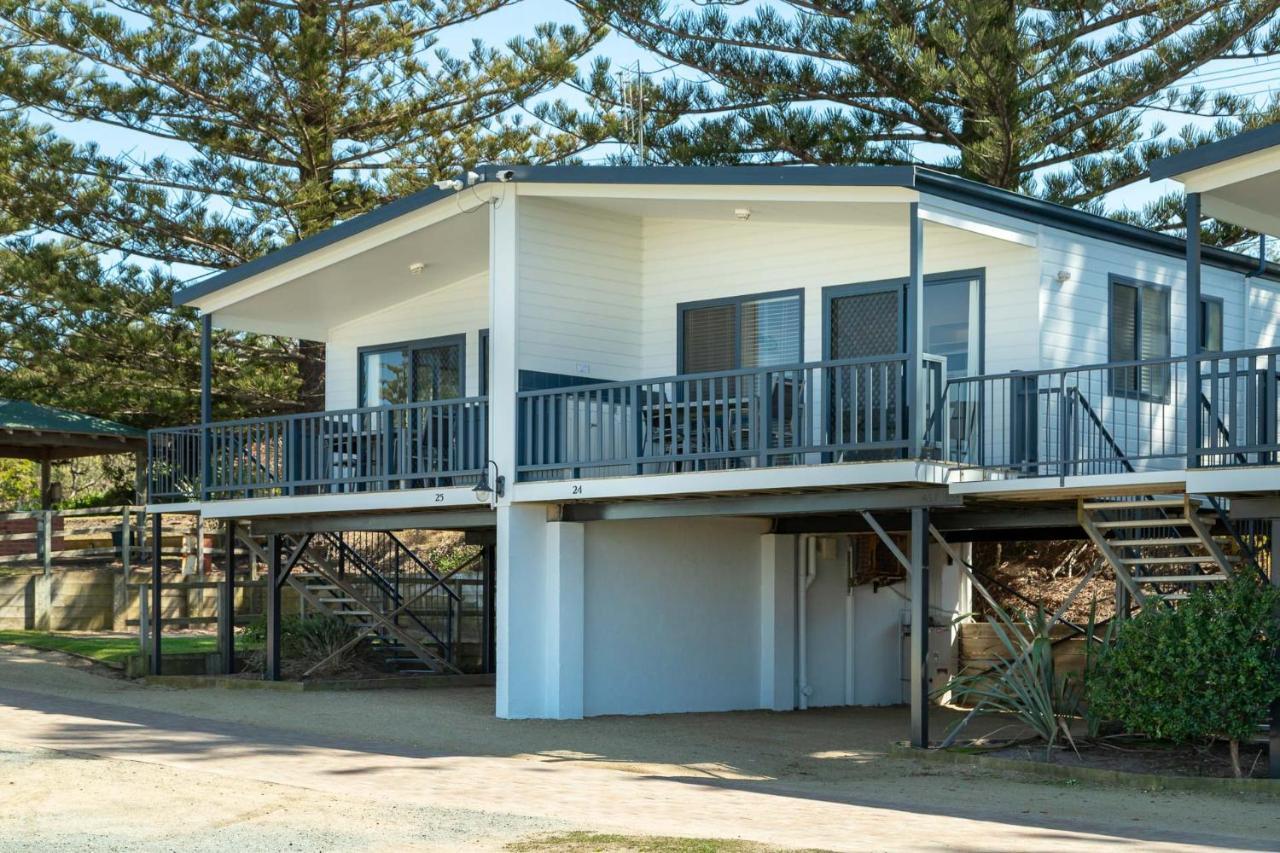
(1274, 736)
(920, 627)
(228, 603)
(1192, 217)
(206, 403)
(156, 621)
(272, 672)
(489, 639)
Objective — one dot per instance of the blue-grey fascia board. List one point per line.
(1080, 222)
(926, 180)
(1248, 142)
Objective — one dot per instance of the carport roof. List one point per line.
(909, 177)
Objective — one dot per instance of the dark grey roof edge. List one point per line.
(1213, 153)
(1081, 222)
(937, 183)
(882, 176)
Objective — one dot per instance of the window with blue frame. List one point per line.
(759, 330)
(1139, 331)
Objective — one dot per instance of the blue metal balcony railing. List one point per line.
(838, 410)
(1109, 418)
(1117, 417)
(381, 448)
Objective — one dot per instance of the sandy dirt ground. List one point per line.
(88, 763)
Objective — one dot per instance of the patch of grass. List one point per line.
(600, 842)
(111, 651)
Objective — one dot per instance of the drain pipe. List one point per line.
(848, 625)
(806, 576)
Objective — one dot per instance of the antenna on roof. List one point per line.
(631, 95)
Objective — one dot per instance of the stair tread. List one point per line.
(1169, 561)
(1143, 522)
(1147, 543)
(1181, 578)
(1136, 504)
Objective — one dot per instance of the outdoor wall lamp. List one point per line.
(483, 490)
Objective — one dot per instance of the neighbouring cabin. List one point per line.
(679, 403)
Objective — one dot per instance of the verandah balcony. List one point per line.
(377, 448)
(852, 409)
(1109, 418)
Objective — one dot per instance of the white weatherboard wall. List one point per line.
(454, 309)
(1264, 315)
(579, 290)
(1076, 313)
(688, 260)
(673, 616)
(879, 656)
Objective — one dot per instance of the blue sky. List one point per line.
(1260, 79)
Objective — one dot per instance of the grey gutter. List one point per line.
(1079, 222)
(1248, 142)
(909, 177)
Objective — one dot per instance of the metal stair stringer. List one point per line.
(1127, 544)
(372, 620)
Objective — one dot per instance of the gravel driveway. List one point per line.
(88, 763)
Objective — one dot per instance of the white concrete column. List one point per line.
(777, 622)
(565, 611)
(504, 333)
(520, 558)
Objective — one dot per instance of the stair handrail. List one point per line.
(1121, 456)
(424, 566)
(369, 570)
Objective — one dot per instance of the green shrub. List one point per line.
(306, 640)
(1206, 669)
(1025, 683)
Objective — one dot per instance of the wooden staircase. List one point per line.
(1159, 546)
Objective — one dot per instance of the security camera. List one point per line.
(506, 176)
(449, 184)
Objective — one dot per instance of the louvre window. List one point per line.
(750, 331)
(1140, 332)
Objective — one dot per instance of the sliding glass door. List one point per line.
(414, 372)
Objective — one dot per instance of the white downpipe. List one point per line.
(849, 673)
(808, 573)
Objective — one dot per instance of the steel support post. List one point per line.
(228, 604)
(1192, 217)
(920, 627)
(915, 333)
(156, 611)
(274, 569)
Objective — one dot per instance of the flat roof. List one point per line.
(1213, 153)
(909, 177)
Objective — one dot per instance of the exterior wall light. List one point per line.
(485, 492)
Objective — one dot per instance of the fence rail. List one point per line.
(836, 410)
(378, 448)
